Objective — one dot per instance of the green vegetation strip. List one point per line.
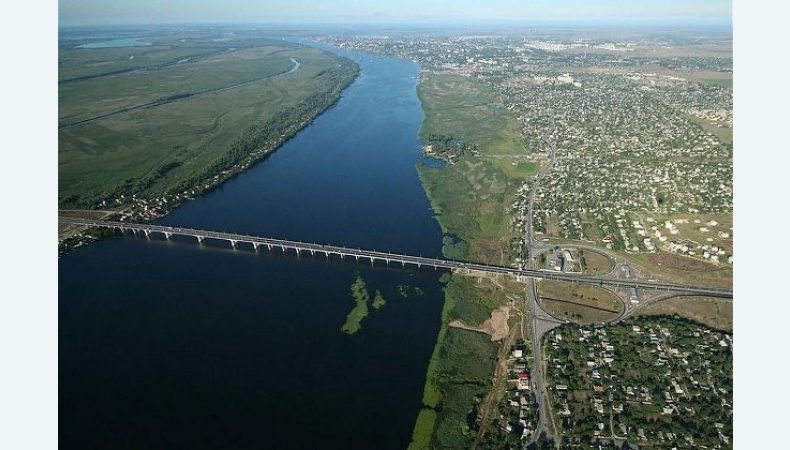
(460, 368)
(470, 197)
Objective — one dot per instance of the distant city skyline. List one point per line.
(103, 12)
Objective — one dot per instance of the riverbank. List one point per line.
(139, 200)
(460, 370)
(475, 199)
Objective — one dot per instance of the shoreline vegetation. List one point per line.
(475, 194)
(459, 374)
(472, 198)
(199, 162)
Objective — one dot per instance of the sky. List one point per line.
(127, 12)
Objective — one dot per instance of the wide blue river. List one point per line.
(170, 344)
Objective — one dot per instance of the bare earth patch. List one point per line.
(496, 326)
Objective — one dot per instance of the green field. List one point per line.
(579, 303)
(213, 115)
(468, 109)
(99, 96)
(595, 263)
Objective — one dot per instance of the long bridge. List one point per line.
(390, 258)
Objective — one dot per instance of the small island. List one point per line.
(378, 300)
(354, 319)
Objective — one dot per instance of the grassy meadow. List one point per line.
(186, 142)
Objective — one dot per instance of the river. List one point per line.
(170, 344)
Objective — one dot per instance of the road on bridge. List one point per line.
(403, 259)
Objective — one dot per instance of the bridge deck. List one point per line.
(373, 255)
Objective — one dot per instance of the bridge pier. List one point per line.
(255, 245)
(200, 239)
(269, 246)
(312, 252)
(232, 243)
(168, 234)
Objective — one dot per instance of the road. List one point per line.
(530, 238)
(540, 321)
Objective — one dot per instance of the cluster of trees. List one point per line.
(130, 186)
(446, 146)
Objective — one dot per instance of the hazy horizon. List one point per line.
(86, 13)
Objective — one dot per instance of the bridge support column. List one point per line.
(312, 252)
(255, 246)
(200, 239)
(371, 261)
(167, 235)
(269, 246)
(232, 243)
(147, 234)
